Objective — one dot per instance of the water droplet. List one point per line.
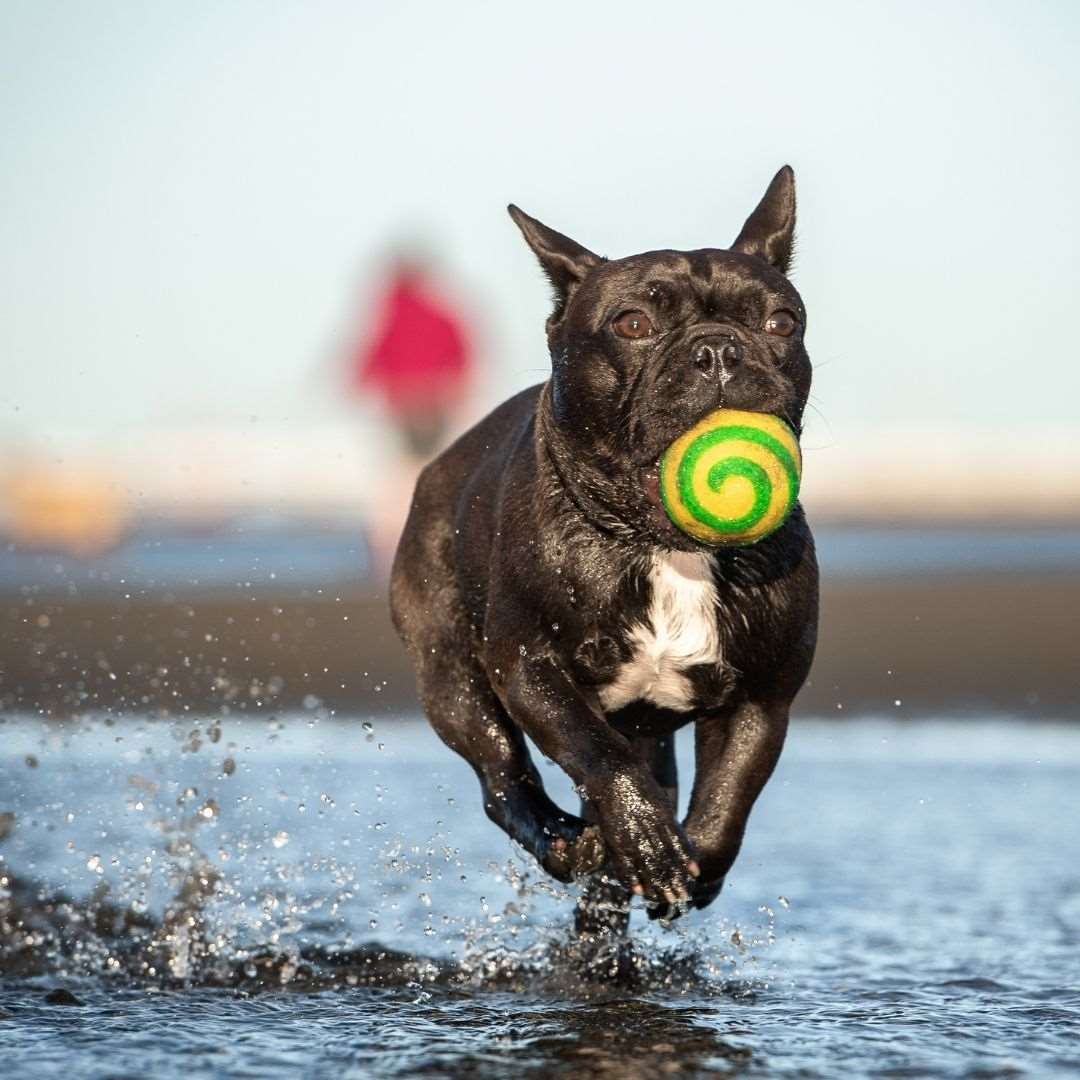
(280, 839)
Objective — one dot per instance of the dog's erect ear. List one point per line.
(769, 231)
(564, 260)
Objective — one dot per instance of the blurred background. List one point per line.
(256, 268)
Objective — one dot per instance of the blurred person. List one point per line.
(417, 358)
(415, 355)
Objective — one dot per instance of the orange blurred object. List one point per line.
(76, 509)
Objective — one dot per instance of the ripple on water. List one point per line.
(314, 910)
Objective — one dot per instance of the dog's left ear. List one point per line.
(564, 260)
(769, 231)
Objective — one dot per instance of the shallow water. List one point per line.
(305, 897)
(267, 552)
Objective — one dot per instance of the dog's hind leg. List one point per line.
(604, 907)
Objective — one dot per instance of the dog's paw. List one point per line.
(705, 893)
(567, 859)
(649, 852)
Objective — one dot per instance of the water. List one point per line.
(868, 551)
(268, 552)
(263, 550)
(305, 897)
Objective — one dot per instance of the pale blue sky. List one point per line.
(192, 192)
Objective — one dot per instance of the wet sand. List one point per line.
(985, 643)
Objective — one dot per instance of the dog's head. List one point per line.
(644, 347)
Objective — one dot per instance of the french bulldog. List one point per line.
(542, 591)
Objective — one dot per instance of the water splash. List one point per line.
(213, 881)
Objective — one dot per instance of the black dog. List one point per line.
(542, 590)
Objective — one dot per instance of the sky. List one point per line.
(195, 197)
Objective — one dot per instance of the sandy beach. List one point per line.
(981, 644)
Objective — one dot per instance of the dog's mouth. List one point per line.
(650, 483)
(656, 514)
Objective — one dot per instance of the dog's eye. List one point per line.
(632, 324)
(781, 323)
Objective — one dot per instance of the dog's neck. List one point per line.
(580, 481)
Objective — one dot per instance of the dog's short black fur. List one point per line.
(542, 591)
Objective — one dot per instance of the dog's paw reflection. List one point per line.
(701, 896)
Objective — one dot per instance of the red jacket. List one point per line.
(418, 355)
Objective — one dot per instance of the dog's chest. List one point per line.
(679, 632)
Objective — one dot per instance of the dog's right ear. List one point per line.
(564, 260)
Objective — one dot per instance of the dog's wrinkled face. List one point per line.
(644, 347)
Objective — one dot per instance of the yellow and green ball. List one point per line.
(732, 478)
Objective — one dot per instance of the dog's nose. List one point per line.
(723, 352)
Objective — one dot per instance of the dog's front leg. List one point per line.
(644, 841)
(735, 755)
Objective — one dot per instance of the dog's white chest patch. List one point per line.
(679, 633)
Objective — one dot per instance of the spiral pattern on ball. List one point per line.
(732, 478)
